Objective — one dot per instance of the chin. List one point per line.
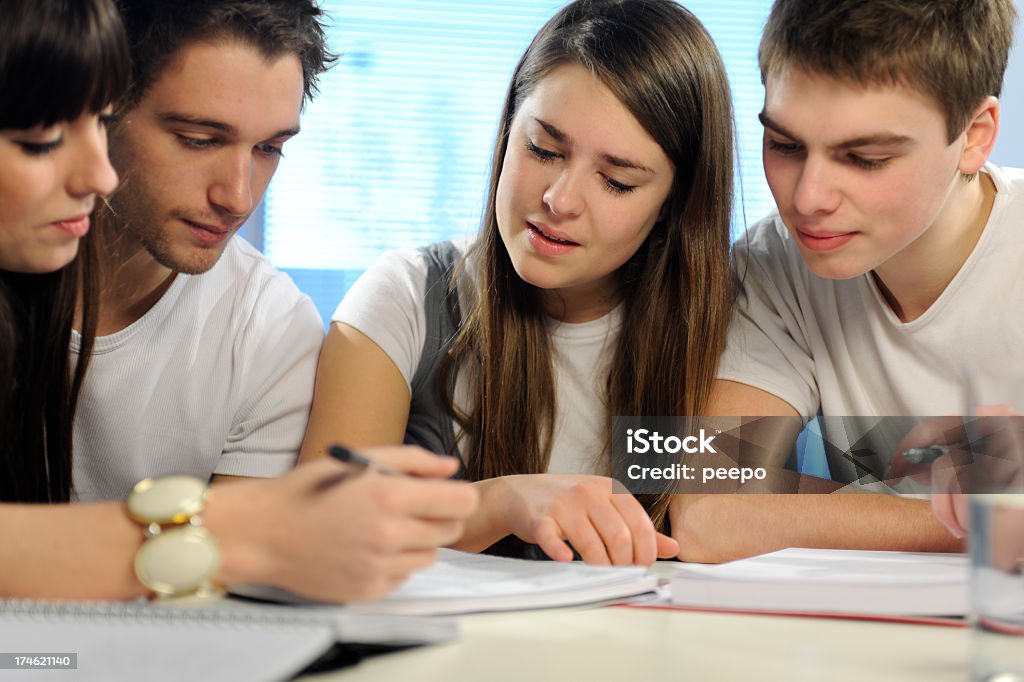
(188, 261)
(535, 279)
(52, 262)
(836, 271)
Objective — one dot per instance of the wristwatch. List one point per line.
(179, 557)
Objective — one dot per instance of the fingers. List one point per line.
(607, 528)
(425, 499)
(1002, 410)
(400, 566)
(942, 507)
(413, 534)
(549, 536)
(413, 461)
(667, 547)
(961, 514)
(931, 431)
(947, 487)
(385, 576)
(643, 540)
(580, 531)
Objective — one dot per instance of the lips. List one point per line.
(551, 235)
(548, 243)
(77, 226)
(823, 241)
(206, 233)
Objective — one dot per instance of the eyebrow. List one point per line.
(616, 161)
(880, 139)
(227, 128)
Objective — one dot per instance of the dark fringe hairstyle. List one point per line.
(59, 59)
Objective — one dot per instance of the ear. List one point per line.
(981, 136)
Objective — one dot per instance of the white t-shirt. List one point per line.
(216, 378)
(837, 347)
(387, 304)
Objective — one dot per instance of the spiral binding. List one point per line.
(249, 617)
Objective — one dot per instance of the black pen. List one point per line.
(352, 458)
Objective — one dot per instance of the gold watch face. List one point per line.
(168, 499)
(178, 561)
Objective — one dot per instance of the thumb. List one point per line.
(668, 548)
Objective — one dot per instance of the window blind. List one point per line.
(395, 150)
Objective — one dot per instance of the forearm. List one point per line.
(81, 551)
(715, 528)
(86, 551)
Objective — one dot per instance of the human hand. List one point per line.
(986, 454)
(606, 528)
(330, 534)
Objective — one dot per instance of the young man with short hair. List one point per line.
(888, 282)
(206, 355)
(206, 360)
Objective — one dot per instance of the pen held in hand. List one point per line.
(930, 453)
(354, 459)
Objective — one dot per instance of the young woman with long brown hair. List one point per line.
(599, 285)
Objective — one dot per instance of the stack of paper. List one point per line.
(468, 583)
(830, 581)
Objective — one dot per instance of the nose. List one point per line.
(815, 190)
(90, 171)
(231, 190)
(564, 196)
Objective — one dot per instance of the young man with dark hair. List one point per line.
(881, 287)
(205, 356)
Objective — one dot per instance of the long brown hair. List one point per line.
(677, 289)
(58, 60)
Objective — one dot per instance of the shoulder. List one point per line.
(260, 292)
(767, 250)
(243, 264)
(1009, 182)
(405, 271)
(420, 259)
(391, 303)
(767, 237)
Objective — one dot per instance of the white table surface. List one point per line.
(627, 644)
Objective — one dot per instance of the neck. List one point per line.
(579, 304)
(133, 282)
(912, 280)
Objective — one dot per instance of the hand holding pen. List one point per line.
(358, 461)
(930, 453)
(956, 455)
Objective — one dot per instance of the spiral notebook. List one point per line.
(226, 641)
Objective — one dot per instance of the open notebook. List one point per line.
(830, 581)
(469, 583)
(227, 640)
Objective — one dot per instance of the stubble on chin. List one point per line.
(157, 234)
(181, 258)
